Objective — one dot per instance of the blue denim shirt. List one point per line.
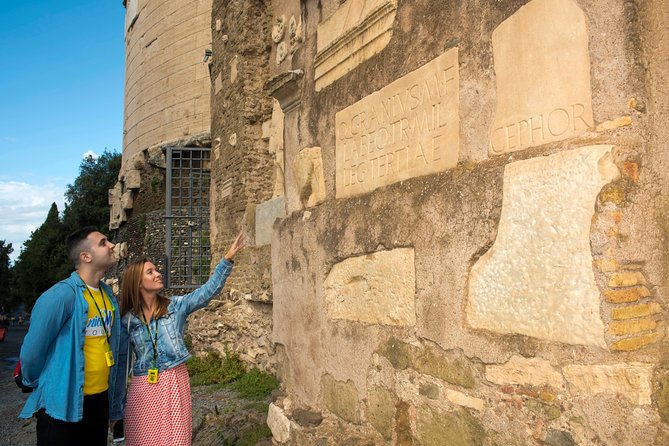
(52, 355)
(171, 348)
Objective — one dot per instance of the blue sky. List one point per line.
(61, 96)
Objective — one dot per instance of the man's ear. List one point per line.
(85, 257)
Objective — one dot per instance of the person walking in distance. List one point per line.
(70, 355)
(158, 409)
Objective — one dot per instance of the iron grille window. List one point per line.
(187, 245)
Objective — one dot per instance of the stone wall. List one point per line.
(166, 83)
(243, 177)
(474, 247)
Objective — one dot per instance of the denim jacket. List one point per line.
(171, 349)
(52, 355)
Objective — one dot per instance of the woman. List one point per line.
(158, 408)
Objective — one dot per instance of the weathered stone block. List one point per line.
(462, 399)
(340, 398)
(456, 371)
(524, 371)
(407, 129)
(632, 380)
(537, 279)
(308, 171)
(377, 288)
(457, 428)
(278, 423)
(218, 83)
(538, 51)
(381, 410)
(132, 179)
(265, 216)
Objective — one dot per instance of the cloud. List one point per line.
(23, 207)
(90, 153)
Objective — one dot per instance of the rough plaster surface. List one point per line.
(407, 129)
(309, 178)
(542, 65)
(376, 288)
(633, 380)
(537, 279)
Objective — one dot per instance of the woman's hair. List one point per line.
(131, 296)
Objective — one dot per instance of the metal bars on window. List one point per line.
(187, 245)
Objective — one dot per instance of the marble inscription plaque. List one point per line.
(542, 66)
(407, 129)
(377, 288)
(537, 279)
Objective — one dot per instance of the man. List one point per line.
(71, 355)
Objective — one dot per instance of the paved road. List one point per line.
(13, 432)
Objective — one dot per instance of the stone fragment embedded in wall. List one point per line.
(116, 214)
(132, 179)
(233, 69)
(356, 31)
(216, 148)
(218, 83)
(341, 398)
(633, 380)
(276, 148)
(281, 52)
(308, 171)
(537, 279)
(278, 423)
(121, 250)
(524, 371)
(542, 66)
(295, 34)
(278, 30)
(127, 200)
(435, 427)
(407, 129)
(377, 288)
(266, 214)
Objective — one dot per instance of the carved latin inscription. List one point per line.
(542, 67)
(407, 129)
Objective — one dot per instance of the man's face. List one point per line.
(100, 253)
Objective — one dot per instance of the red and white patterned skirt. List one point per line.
(159, 414)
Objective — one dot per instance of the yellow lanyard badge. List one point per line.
(152, 376)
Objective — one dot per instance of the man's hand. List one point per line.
(237, 245)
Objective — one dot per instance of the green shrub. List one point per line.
(214, 369)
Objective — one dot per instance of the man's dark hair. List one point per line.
(75, 243)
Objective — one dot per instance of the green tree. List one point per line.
(42, 261)
(87, 199)
(5, 274)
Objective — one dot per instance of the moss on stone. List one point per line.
(456, 371)
(457, 428)
(397, 352)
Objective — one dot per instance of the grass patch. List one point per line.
(215, 369)
(249, 437)
(255, 384)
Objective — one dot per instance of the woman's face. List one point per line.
(152, 280)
